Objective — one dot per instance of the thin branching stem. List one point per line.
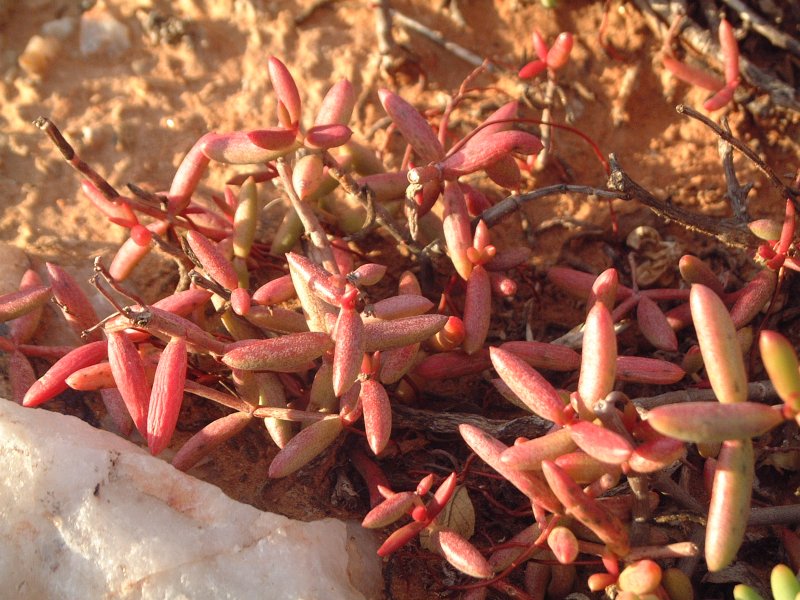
(725, 134)
(492, 216)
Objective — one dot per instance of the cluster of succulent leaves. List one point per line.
(783, 582)
(354, 349)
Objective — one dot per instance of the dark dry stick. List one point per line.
(492, 216)
(737, 193)
(757, 391)
(760, 25)
(406, 417)
(466, 55)
(774, 515)
(703, 42)
(730, 232)
(73, 159)
(785, 190)
(100, 270)
(664, 484)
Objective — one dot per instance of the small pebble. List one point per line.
(102, 34)
(39, 55)
(59, 28)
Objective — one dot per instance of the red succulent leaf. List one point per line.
(166, 396)
(377, 414)
(462, 555)
(54, 381)
(213, 435)
(533, 389)
(413, 126)
(600, 443)
(654, 325)
(390, 510)
(127, 369)
(305, 446)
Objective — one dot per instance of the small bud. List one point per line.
(694, 270)
(654, 325)
(275, 291)
(641, 577)
(766, 229)
(240, 301)
(656, 454)
(368, 274)
(753, 297)
(564, 545)
(558, 55)
(532, 69)
(389, 511)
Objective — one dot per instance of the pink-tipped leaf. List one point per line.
(477, 310)
(413, 126)
(305, 446)
(719, 345)
(285, 89)
(166, 396)
(127, 369)
(54, 381)
(377, 414)
(533, 389)
(711, 422)
(598, 359)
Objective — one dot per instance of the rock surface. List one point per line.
(86, 514)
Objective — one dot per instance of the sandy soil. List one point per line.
(176, 70)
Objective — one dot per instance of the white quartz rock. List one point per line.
(87, 514)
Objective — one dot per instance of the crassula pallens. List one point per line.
(299, 329)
